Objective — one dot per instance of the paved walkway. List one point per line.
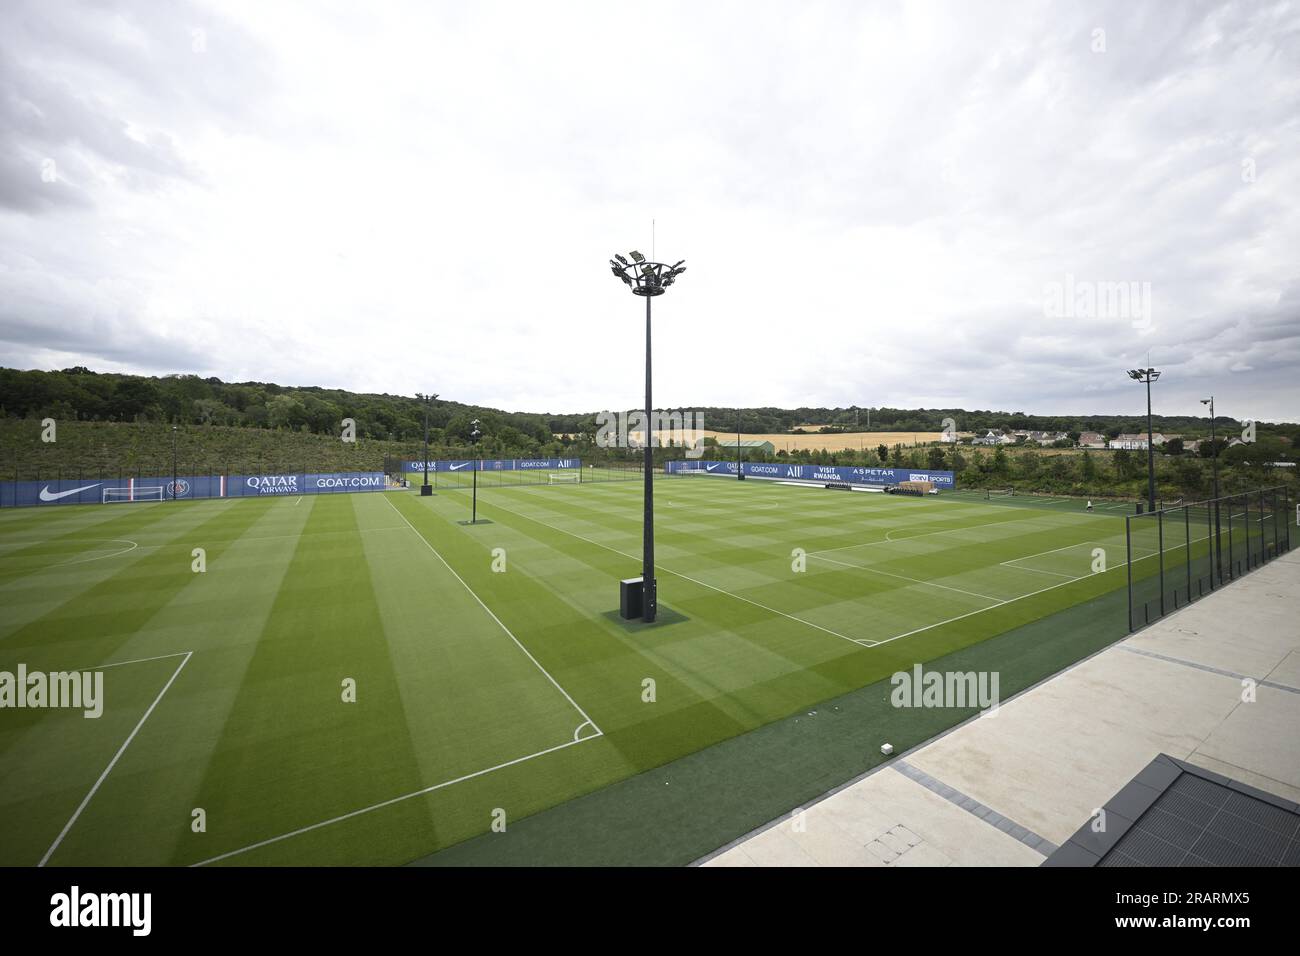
(1006, 789)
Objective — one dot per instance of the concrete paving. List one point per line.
(1216, 684)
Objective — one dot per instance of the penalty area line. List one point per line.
(388, 803)
(585, 716)
(117, 756)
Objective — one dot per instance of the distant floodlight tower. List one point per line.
(175, 469)
(474, 436)
(1148, 375)
(425, 489)
(647, 279)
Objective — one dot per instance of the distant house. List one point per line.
(1047, 438)
(1133, 442)
(994, 438)
(1192, 447)
(1092, 440)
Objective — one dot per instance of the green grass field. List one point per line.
(482, 694)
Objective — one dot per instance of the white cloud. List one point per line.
(872, 200)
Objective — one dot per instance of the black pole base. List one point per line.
(426, 491)
(649, 601)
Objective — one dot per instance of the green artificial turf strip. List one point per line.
(300, 594)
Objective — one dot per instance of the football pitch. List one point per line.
(366, 679)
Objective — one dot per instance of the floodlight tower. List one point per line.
(425, 490)
(474, 436)
(647, 279)
(740, 460)
(1148, 375)
(175, 470)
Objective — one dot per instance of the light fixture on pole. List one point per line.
(1148, 375)
(647, 279)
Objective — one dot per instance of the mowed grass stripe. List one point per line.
(84, 626)
(291, 752)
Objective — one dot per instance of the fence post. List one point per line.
(1160, 541)
(1232, 559)
(1128, 566)
(1212, 538)
(1187, 531)
(1245, 498)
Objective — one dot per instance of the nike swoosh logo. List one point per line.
(460, 466)
(47, 495)
(709, 467)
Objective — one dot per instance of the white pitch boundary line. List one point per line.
(888, 540)
(585, 716)
(120, 750)
(1032, 593)
(389, 802)
(903, 577)
(989, 608)
(684, 577)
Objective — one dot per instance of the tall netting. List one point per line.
(1177, 555)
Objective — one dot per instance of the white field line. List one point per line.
(888, 540)
(585, 717)
(389, 802)
(120, 750)
(1032, 593)
(959, 617)
(297, 501)
(1059, 574)
(903, 577)
(74, 561)
(100, 557)
(684, 577)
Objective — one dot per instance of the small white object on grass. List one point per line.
(886, 749)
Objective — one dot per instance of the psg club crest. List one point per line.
(178, 488)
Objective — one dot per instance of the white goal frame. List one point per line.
(134, 493)
(554, 479)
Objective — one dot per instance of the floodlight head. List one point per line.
(1135, 374)
(1152, 374)
(645, 277)
(1206, 401)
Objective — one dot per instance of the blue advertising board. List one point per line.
(69, 491)
(496, 464)
(815, 473)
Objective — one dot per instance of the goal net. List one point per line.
(135, 493)
(1000, 493)
(553, 479)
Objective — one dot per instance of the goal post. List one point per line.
(133, 492)
(563, 479)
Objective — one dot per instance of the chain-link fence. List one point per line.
(504, 478)
(1177, 555)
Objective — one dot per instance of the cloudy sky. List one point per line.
(987, 205)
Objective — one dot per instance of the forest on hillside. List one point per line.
(80, 394)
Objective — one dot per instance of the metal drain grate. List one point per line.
(1176, 814)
